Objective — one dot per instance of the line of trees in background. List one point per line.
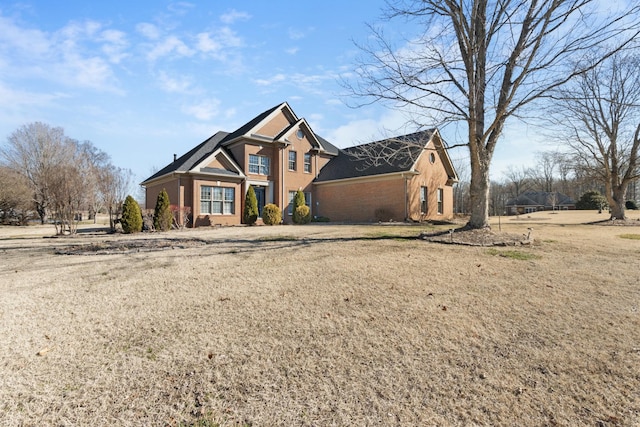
(46, 175)
(552, 172)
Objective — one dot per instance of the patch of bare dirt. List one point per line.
(478, 237)
(618, 222)
(114, 247)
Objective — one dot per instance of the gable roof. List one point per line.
(540, 198)
(187, 161)
(392, 155)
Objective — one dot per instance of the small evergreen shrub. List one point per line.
(131, 220)
(250, 213)
(631, 205)
(298, 200)
(271, 214)
(162, 215)
(592, 200)
(302, 215)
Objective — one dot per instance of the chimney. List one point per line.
(175, 157)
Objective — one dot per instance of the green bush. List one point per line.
(631, 205)
(162, 216)
(271, 214)
(592, 200)
(131, 216)
(250, 213)
(298, 200)
(302, 215)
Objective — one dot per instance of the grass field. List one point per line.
(322, 325)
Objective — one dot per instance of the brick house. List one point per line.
(405, 178)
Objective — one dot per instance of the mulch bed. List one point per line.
(477, 237)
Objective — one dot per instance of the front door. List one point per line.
(260, 196)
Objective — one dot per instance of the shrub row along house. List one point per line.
(410, 177)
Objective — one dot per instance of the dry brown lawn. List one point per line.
(322, 325)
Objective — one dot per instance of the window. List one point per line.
(292, 195)
(300, 134)
(307, 162)
(423, 200)
(440, 204)
(292, 160)
(258, 165)
(217, 200)
(432, 158)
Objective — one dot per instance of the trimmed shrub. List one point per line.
(298, 200)
(162, 215)
(592, 200)
(131, 216)
(631, 205)
(302, 215)
(271, 214)
(250, 213)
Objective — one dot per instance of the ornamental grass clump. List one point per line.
(271, 214)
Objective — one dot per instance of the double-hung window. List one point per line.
(307, 162)
(217, 200)
(423, 200)
(440, 201)
(293, 159)
(258, 165)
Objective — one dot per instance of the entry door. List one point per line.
(260, 196)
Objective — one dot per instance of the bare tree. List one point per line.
(93, 160)
(36, 150)
(461, 188)
(601, 117)
(482, 62)
(518, 179)
(114, 185)
(543, 173)
(16, 201)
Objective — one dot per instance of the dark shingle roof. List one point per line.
(250, 124)
(329, 148)
(391, 155)
(188, 160)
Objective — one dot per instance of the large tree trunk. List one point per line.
(479, 194)
(616, 199)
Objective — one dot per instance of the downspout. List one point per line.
(179, 200)
(282, 190)
(406, 198)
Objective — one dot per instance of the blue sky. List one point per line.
(143, 80)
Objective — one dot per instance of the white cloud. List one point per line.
(65, 56)
(292, 51)
(170, 45)
(297, 34)
(149, 31)
(182, 84)
(233, 16)
(271, 81)
(206, 43)
(24, 41)
(205, 110)
(115, 45)
(180, 8)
